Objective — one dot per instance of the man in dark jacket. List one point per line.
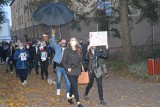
(34, 55)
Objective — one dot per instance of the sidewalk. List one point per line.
(118, 92)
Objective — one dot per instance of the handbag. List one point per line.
(100, 70)
(83, 78)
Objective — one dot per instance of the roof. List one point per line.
(12, 2)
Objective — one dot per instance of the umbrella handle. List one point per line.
(60, 32)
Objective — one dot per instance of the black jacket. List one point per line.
(71, 59)
(94, 59)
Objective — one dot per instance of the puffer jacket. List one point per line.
(21, 64)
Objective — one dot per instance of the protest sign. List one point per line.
(98, 38)
(23, 56)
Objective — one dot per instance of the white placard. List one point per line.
(23, 56)
(43, 56)
(98, 38)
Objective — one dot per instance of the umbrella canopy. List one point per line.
(53, 14)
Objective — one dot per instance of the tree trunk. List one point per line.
(126, 38)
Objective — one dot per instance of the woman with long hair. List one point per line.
(72, 62)
(94, 55)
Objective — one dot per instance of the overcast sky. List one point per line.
(8, 14)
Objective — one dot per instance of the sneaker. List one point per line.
(67, 95)
(85, 97)
(25, 82)
(103, 102)
(58, 91)
(80, 105)
(6, 70)
(11, 72)
(72, 96)
(70, 101)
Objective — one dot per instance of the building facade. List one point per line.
(24, 27)
(5, 31)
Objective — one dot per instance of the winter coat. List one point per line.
(72, 60)
(94, 59)
(21, 64)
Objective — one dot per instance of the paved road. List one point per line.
(118, 92)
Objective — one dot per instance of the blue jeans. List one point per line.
(59, 72)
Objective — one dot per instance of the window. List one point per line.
(28, 16)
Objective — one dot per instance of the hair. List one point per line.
(43, 43)
(78, 48)
(45, 33)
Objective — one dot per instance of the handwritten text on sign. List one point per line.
(98, 38)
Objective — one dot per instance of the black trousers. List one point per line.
(74, 86)
(44, 69)
(22, 74)
(11, 66)
(99, 84)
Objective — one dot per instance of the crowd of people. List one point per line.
(70, 57)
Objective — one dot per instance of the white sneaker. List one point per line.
(25, 82)
(67, 95)
(11, 72)
(58, 91)
(72, 96)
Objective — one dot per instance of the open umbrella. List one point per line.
(53, 14)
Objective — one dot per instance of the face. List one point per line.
(27, 46)
(63, 43)
(80, 42)
(44, 44)
(21, 47)
(73, 42)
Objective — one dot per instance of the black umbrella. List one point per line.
(53, 14)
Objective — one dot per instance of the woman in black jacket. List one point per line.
(72, 62)
(43, 56)
(93, 56)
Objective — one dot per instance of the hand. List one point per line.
(19, 56)
(53, 31)
(107, 46)
(69, 69)
(10, 62)
(83, 68)
(26, 55)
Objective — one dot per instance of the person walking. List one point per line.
(34, 56)
(21, 56)
(60, 71)
(28, 48)
(43, 55)
(72, 62)
(1, 53)
(94, 55)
